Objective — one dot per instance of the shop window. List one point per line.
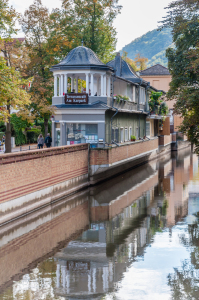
(82, 133)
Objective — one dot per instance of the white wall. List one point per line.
(120, 87)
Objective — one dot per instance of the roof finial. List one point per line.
(82, 42)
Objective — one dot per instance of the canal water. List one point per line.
(133, 237)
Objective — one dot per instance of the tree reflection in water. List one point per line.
(184, 282)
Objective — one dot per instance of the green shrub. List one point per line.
(1, 135)
(32, 135)
(2, 127)
(19, 126)
(41, 123)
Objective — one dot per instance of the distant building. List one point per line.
(160, 78)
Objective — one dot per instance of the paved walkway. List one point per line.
(20, 148)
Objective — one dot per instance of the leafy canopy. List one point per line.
(90, 21)
(183, 19)
(8, 17)
(12, 92)
(36, 26)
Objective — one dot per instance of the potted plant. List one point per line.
(133, 138)
(161, 125)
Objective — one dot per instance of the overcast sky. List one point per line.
(137, 16)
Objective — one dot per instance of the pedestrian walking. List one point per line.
(48, 141)
(40, 141)
(3, 141)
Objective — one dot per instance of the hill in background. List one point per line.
(151, 45)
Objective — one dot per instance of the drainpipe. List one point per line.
(148, 86)
(113, 79)
(141, 80)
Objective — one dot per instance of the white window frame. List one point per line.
(142, 93)
(126, 134)
(121, 130)
(148, 122)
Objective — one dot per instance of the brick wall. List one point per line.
(26, 172)
(56, 170)
(165, 140)
(166, 127)
(173, 137)
(113, 155)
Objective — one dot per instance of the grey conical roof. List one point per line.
(123, 70)
(80, 57)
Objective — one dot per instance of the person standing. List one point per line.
(4, 141)
(48, 141)
(40, 141)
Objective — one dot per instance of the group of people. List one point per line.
(2, 143)
(41, 142)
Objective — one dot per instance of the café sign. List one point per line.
(76, 98)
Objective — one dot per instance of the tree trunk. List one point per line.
(8, 133)
(8, 137)
(45, 127)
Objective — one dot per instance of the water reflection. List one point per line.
(133, 237)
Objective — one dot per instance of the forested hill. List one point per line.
(151, 45)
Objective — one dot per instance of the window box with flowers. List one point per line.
(120, 98)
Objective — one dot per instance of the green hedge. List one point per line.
(32, 135)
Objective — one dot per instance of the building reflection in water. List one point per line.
(123, 216)
(96, 262)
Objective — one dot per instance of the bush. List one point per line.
(1, 135)
(32, 135)
(19, 126)
(41, 123)
(2, 127)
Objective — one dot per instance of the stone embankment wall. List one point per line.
(105, 162)
(34, 179)
(165, 140)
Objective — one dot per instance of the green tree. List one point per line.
(141, 62)
(36, 26)
(90, 21)
(129, 61)
(8, 17)
(183, 64)
(13, 95)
